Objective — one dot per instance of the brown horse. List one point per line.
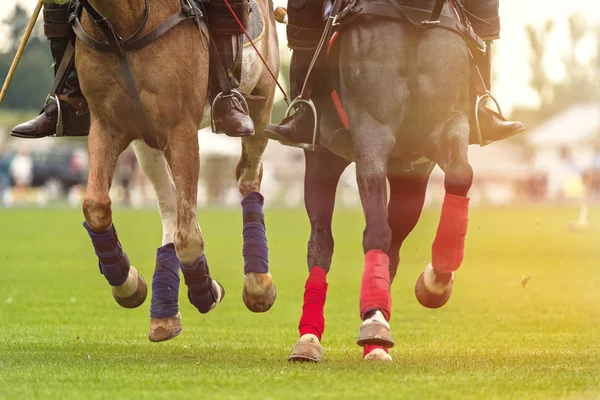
(171, 78)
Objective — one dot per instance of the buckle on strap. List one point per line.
(486, 96)
(293, 106)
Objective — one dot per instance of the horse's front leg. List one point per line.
(322, 174)
(165, 320)
(182, 154)
(127, 286)
(434, 286)
(259, 291)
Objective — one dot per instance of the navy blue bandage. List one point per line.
(165, 283)
(255, 251)
(112, 260)
(199, 285)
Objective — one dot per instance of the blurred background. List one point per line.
(545, 73)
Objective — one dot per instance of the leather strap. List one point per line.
(132, 44)
(65, 65)
(417, 17)
(113, 43)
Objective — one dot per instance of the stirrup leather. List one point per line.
(234, 93)
(486, 96)
(293, 106)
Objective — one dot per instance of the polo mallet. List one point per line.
(26, 36)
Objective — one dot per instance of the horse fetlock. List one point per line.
(259, 291)
(307, 349)
(133, 292)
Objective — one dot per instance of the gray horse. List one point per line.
(405, 91)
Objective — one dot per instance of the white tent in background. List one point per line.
(576, 131)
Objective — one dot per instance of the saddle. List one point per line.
(343, 13)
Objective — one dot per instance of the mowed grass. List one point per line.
(62, 335)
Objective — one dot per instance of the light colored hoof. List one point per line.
(431, 291)
(163, 329)
(259, 292)
(378, 355)
(308, 349)
(133, 292)
(375, 331)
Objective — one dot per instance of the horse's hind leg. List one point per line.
(434, 286)
(407, 195)
(259, 291)
(183, 157)
(323, 171)
(165, 320)
(127, 286)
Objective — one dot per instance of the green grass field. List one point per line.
(62, 335)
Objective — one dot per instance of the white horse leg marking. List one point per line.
(157, 170)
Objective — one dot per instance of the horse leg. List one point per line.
(372, 153)
(259, 291)
(434, 286)
(165, 320)
(182, 154)
(128, 287)
(407, 195)
(323, 171)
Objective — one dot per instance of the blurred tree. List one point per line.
(34, 74)
(581, 83)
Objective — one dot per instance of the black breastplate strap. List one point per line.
(113, 43)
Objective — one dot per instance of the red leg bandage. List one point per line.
(315, 292)
(369, 348)
(448, 249)
(375, 288)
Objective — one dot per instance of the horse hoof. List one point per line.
(163, 329)
(259, 292)
(375, 331)
(378, 355)
(433, 291)
(308, 349)
(133, 292)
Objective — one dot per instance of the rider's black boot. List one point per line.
(298, 128)
(493, 126)
(73, 107)
(230, 115)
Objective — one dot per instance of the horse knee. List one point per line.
(98, 213)
(189, 245)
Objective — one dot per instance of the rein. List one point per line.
(285, 98)
(113, 43)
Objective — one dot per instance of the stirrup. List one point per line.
(234, 93)
(60, 131)
(487, 95)
(306, 146)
